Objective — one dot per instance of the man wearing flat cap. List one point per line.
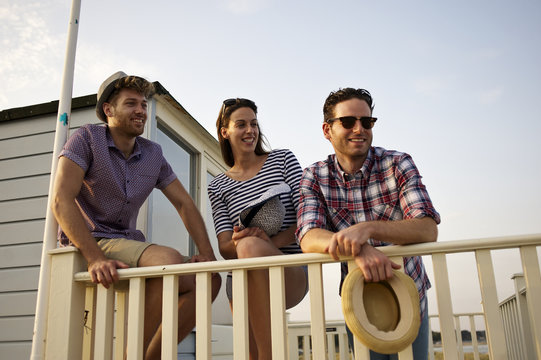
(362, 197)
(105, 173)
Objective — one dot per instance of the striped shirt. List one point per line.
(229, 197)
(387, 187)
(114, 188)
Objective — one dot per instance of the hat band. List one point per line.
(250, 216)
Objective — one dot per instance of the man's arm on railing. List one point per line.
(68, 182)
(375, 265)
(191, 217)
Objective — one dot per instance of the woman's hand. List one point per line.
(239, 234)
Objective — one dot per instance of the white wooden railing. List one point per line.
(66, 337)
(516, 322)
(458, 333)
(336, 337)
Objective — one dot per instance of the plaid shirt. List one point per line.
(387, 187)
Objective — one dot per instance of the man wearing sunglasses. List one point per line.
(362, 197)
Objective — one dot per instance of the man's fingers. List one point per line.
(108, 278)
(332, 250)
(381, 272)
(102, 279)
(367, 274)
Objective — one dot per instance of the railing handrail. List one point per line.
(447, 247)
(68, 261)
(461, 314)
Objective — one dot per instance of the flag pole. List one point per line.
(50, 232)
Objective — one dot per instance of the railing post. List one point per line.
(532, 275)
(523, 316)
(430, 340)
(203, 316)
(407, 353)
(121, 324)
(473, 332)
(361, 351)
(64, 337)
(170, 317)
(103, 343)
(89, 323)
(278, 312)
(445, 308)
(136, 315)
(494, 327)
(317, 311)
(240, 315)
(458, 331)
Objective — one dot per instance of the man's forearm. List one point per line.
(316, 240)
(70, 219)
(196, 228)
(403, 232)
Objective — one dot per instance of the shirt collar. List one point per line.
(364, 171)
(111, 144)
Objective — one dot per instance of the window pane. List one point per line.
(166, 226)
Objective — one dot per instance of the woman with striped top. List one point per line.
(253, 171)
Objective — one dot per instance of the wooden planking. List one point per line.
(18, 304)
(28, 126)
(16, 350)
(28, 145)
(20, 255)
(19, 279)
(24, 188)
(26, 209)
(16, 328)
(22, 232)
(26, 166)
(45, 123)
(84, 116)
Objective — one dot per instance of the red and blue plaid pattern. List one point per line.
(387, 187)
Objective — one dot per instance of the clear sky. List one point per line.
(456, 85)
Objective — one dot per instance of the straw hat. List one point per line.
(266, 212)
(383, 315)
(106, 89)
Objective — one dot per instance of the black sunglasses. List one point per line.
(348, 122)
(233, 101)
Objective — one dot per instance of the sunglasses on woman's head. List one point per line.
(233, 101)
(348, 122)
(229, 102)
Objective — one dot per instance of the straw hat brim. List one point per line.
(384, 316)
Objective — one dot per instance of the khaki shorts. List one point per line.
(125, 250)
